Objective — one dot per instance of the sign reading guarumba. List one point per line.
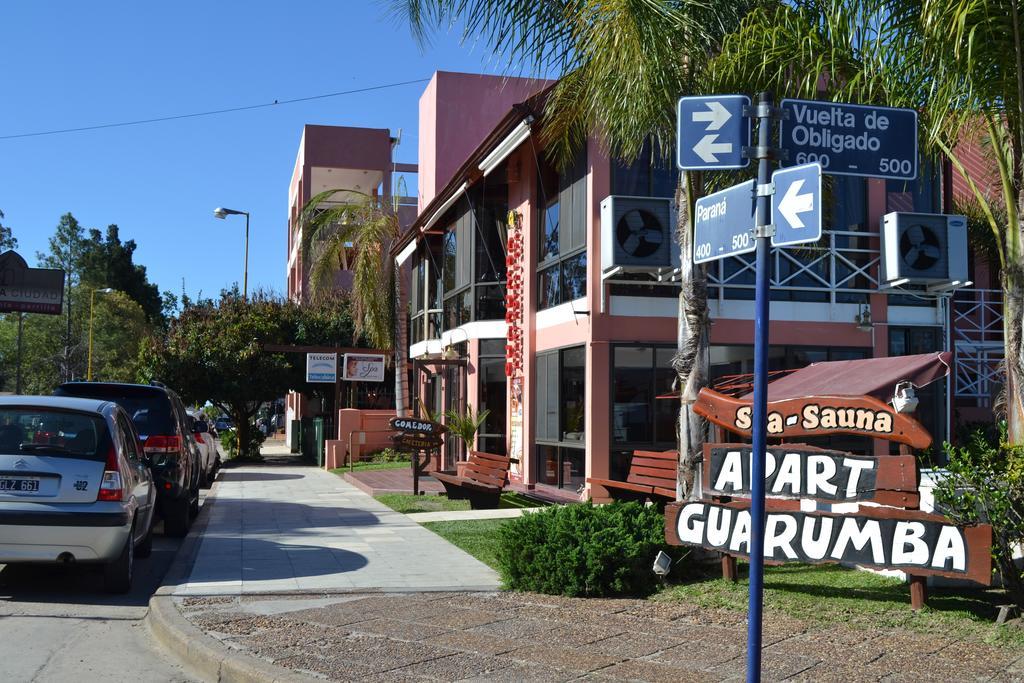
(800, 471)
(815, 416)
(886, 538)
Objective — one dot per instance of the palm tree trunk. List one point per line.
(1013, 327)
(691, 359)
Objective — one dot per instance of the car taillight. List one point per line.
(199, 437)
(163, 444)
(110, 485)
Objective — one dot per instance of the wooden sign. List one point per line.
(815, 416)
(415, 442)
(886, 538)
(31, 290)
(801, 471)
(411, 425)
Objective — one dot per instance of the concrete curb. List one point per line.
(200, 653)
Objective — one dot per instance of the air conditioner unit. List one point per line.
(924, 248)
(638, 234)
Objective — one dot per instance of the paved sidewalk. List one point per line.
(524, 637)
(278, 528)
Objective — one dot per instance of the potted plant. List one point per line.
(465, 426)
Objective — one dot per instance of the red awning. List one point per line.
(876, 377)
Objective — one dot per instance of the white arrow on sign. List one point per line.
(716, 116)
(794, 204)
(707, 148)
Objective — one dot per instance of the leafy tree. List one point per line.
(7, 239)
(214, 352)
(349, 230)
(106, 261)
(66, 253)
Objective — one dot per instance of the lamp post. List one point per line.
(92, 304)
(223, 213)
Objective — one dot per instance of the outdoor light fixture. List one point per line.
(904, 399)
(662, 564)
(863, 319)
(222, 213)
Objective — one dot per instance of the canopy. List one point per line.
(876, 377)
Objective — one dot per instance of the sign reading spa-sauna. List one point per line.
(889, 533)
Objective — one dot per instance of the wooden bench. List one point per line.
(652, 476)
(484, 477)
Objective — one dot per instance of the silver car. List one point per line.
(74, 486)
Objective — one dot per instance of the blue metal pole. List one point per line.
(760, 420)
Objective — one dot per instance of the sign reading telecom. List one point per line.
(850, 139)
(712, 132)
(322, 367)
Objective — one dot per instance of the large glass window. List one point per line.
(639, 418)
(562, 234)
(561, 417)
(492, 395)
(649, 175)
(931, 407)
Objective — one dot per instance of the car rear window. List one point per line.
(150, 409)
(45, 431)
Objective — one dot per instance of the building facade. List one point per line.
(512, 310)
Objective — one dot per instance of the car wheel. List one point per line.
(177, 519)
(204, 480)
(145, 548)
(117, 575)
(193, 504)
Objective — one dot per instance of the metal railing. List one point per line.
(978, 343)
(841, 268)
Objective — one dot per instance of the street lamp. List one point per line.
(92, 304)
(221, 213)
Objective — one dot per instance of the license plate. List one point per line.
(20, 484)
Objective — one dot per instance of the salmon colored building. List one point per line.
(514, 307)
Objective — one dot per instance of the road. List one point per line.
(57, 624)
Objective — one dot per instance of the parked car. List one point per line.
(209, 454)
(74, 485)
(223, 425)
(162, 424)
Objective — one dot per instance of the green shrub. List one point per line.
(583, 550)
(229, 441)
(389, 455)
(984, 482)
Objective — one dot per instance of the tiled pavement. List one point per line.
(524, 637)
(298, 528)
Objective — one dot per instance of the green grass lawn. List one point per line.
(367, 466)
(407, 503)
(833, 594)
(477, 537)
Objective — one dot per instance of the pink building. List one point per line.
(515, 308)
(337, 158)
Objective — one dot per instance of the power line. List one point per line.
(211, 113)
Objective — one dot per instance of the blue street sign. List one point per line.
(796, 205)
(723, 223)
(712, 132)
(850, 139)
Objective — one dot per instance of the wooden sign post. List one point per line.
(419, 437)
(891, 533)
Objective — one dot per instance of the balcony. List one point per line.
(978, 345)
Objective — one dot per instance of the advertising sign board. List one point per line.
(363, 367)
(29, 290)
(322, 368)
(411, 425)
(850, 139)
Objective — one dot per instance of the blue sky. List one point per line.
(72, 64)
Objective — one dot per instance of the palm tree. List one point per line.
(959, 63)
(623, 65)
(355, 234)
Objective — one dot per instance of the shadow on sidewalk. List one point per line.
(264, 560)
(232, 475)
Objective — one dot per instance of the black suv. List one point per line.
(170, 451)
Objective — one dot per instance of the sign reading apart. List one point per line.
(723, 223)
(796, 205)
(815, 416)
(411, 425)
(800, 471)
(851, 139)
(322, 367)
(886, 538)
(712, 132)
(29, 290)
(364, 367)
